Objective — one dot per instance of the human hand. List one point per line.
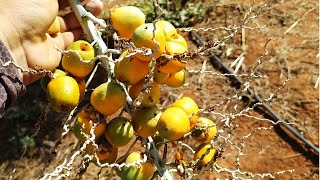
(23, 30)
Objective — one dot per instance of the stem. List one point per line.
(87, 25)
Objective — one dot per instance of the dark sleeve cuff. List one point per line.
(11, 85)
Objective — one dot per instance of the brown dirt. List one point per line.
(290, 56)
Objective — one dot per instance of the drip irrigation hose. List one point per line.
(216, 60)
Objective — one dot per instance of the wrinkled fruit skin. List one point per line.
(205, 130)
(79, 66)
(126, 19)
(142, 37)
(144, 172)
(63, 93)
(201, 150)
(167, 65)
(119, 131)
(173, 124)
(145, 121)
(108, 98)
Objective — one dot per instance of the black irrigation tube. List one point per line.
(276, 118)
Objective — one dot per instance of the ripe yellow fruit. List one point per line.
(167, 65)
(176, 79)
(55, 27)
(119, 131)
(205, 130)
(145, 121)
(126, 19)
(143, 37)
(201, 150)
(180, 40)
(45, 80)
(63, 93)
(84, 124)
(144, 172)
(79, 66)
(173, 123)
(187, 104)
(168, 29)
(159, 76)
(131, 70)
(108, 98)
(150, 98)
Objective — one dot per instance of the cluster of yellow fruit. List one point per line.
(108, 137)
(172, 124)
(67, 88)
(163, 40)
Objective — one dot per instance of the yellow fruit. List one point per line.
(79, 66)
(145, 121)
(63, 93)
(150, 98)
(82, 87)
(187, 104)
(168, 29)
(167, 65)
(176, 79)
(131, 70)
(84, 124)
(108, 98)
(201, 150)
(159, 76)
(126, 19)
(173, 123)
(193, 119)
(55, 27)
(143, 37)
(178, 157)
(119, 131)
(144, 172)
(205, 130)
(45, 80)
(180, 40)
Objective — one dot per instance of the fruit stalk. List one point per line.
(87, 25)
(152, 150)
